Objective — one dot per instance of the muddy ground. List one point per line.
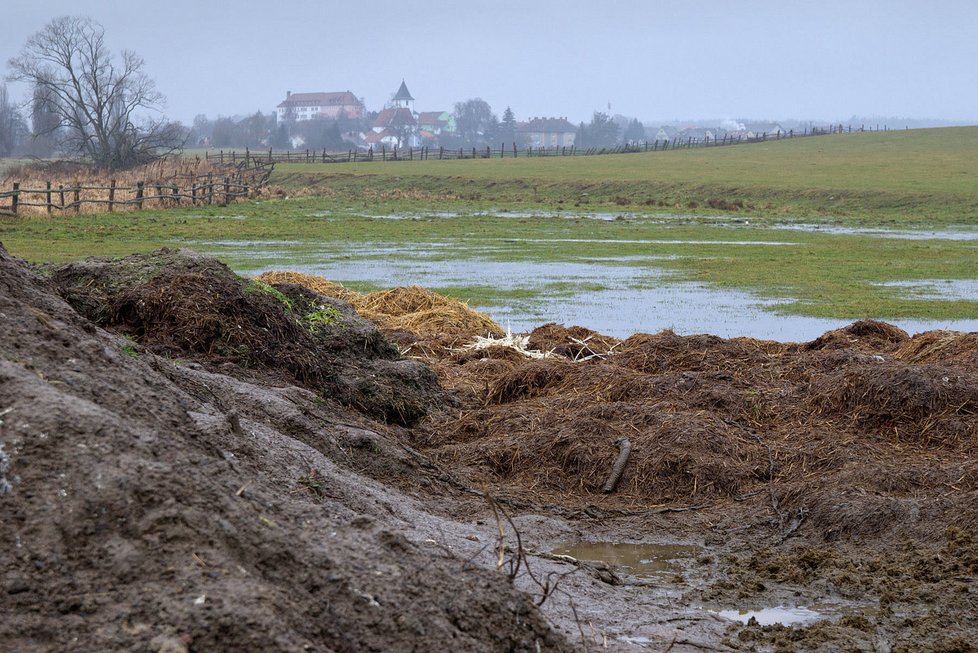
(194, 462)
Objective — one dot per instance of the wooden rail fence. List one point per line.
(181, 190)
(426, 153)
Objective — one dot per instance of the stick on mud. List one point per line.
(624, 450)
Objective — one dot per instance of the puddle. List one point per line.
(901, 234)
(769, 616)
(637, 559)
(944, 289)
(650, 241)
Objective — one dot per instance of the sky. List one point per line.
(657, 60)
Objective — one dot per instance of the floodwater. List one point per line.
(613, 299)
(614, 296)
(636, 559)
(961, 233)
(947, 289)
(786, 616)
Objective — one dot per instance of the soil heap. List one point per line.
(199, 485)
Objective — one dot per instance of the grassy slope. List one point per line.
(928, 176)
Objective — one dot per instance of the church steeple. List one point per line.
(402, 97)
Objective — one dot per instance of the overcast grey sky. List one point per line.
(656, 59)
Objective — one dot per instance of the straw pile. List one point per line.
(413, 309)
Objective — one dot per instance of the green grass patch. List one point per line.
(928, 175)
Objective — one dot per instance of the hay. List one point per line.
(413, 309)
(316, 284)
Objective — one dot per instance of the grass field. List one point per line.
(911, 180)
(917, 176)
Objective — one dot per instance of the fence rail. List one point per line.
(241, 181)
(427, 153)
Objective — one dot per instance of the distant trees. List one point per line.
(474, 122)
(97, 103)
(507, 127)
(12, 126)
(600, 132)
(634, 133)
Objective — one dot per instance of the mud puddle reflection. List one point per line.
(643, 560)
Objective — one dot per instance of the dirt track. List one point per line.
(195, 463)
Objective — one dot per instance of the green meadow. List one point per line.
(728, 217)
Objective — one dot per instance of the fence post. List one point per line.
(15, 198)
(111, 194)
(227, 191)
(48, 196)
(61, 194)
(175, 191)
(139, 195)
(77, 202)
(441, 151)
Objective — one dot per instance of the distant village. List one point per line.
(339, 120)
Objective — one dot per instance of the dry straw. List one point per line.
(414, 309)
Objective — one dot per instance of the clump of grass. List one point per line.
(255, 287)
(129, 347)
(314, 320)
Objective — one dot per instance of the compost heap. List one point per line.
(863, 432)
(185, 481)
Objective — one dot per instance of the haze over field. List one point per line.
(658, 61)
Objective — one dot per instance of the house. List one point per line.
(307, 106)
(700, 134)
(664, 133)
(397, 126)
(760, 129)
(546, 132)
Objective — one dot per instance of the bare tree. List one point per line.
(97, 97)
(474, 121)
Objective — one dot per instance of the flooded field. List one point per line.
(617, 286)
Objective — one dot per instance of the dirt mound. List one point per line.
(412, 309)
(180, 304)
(152, 505)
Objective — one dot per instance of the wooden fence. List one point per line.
(426, 153)
(241, 181)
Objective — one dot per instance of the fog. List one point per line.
(657, 61)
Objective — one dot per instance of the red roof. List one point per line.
(430, 117)
(395, 117)
(341, 98)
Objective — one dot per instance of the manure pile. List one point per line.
(861, 433)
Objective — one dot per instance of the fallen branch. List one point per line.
(625, 450)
